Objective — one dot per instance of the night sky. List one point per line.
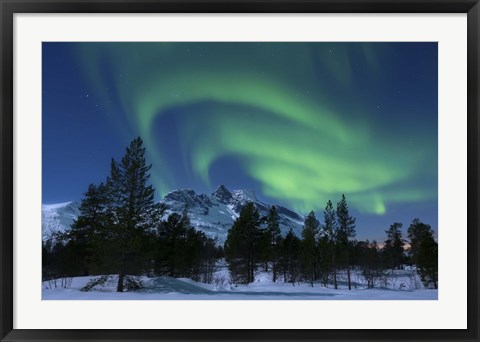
(299, 123)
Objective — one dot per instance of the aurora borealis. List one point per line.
(300, 123)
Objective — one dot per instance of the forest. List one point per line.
(122, 231)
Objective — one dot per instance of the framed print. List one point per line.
(241, 171)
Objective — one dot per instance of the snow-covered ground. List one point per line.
(166, 288)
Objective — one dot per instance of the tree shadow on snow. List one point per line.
(172, 285)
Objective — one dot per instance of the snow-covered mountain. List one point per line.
(58, 217)
(213, 214)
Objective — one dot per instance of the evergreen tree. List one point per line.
(368, 257)
(58, 261)
(424, 252)
(274, 239)
(262, 246)
(309, 246)
(169, 257)
(324, 252)
(346, 231)
(330, 232)
(290, 250)
(84, 233)
(241, 246)
(393, 248)
(132, 209)
(186, 246)
(182, 251)
(208, 259)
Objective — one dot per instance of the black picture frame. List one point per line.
(9, 7)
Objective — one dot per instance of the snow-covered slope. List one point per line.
(58, 217)
(213, 214)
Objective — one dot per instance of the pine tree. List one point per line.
(424, 252)
(208, 258)
(83, 236)
(346, 231)
(241, 246)
(393, 248)
(190, 247)
(290, 250)
(330, 231)
(169, 257)
(274, 239)
(324, 252)
(132, 208)
(368, 257)
(309, 246)
(182, 251)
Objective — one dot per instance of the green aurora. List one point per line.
(305, 121)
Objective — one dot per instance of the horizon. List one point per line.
(318, 214)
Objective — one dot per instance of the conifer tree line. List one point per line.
(325, 249)
(122, 231)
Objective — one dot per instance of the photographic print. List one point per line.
(239, 171)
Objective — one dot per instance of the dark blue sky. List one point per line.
(300, 123)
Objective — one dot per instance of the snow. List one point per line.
(244, 195)
(233, 213)
(166, 288)
(213, 214)
(297, 222)
(49, 207)
(58, 218)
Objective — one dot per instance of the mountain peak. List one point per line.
(181, 194)
(222, 193)
(245, 195)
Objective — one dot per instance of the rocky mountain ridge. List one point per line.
(213, 214)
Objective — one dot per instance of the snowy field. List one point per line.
(398, 286)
